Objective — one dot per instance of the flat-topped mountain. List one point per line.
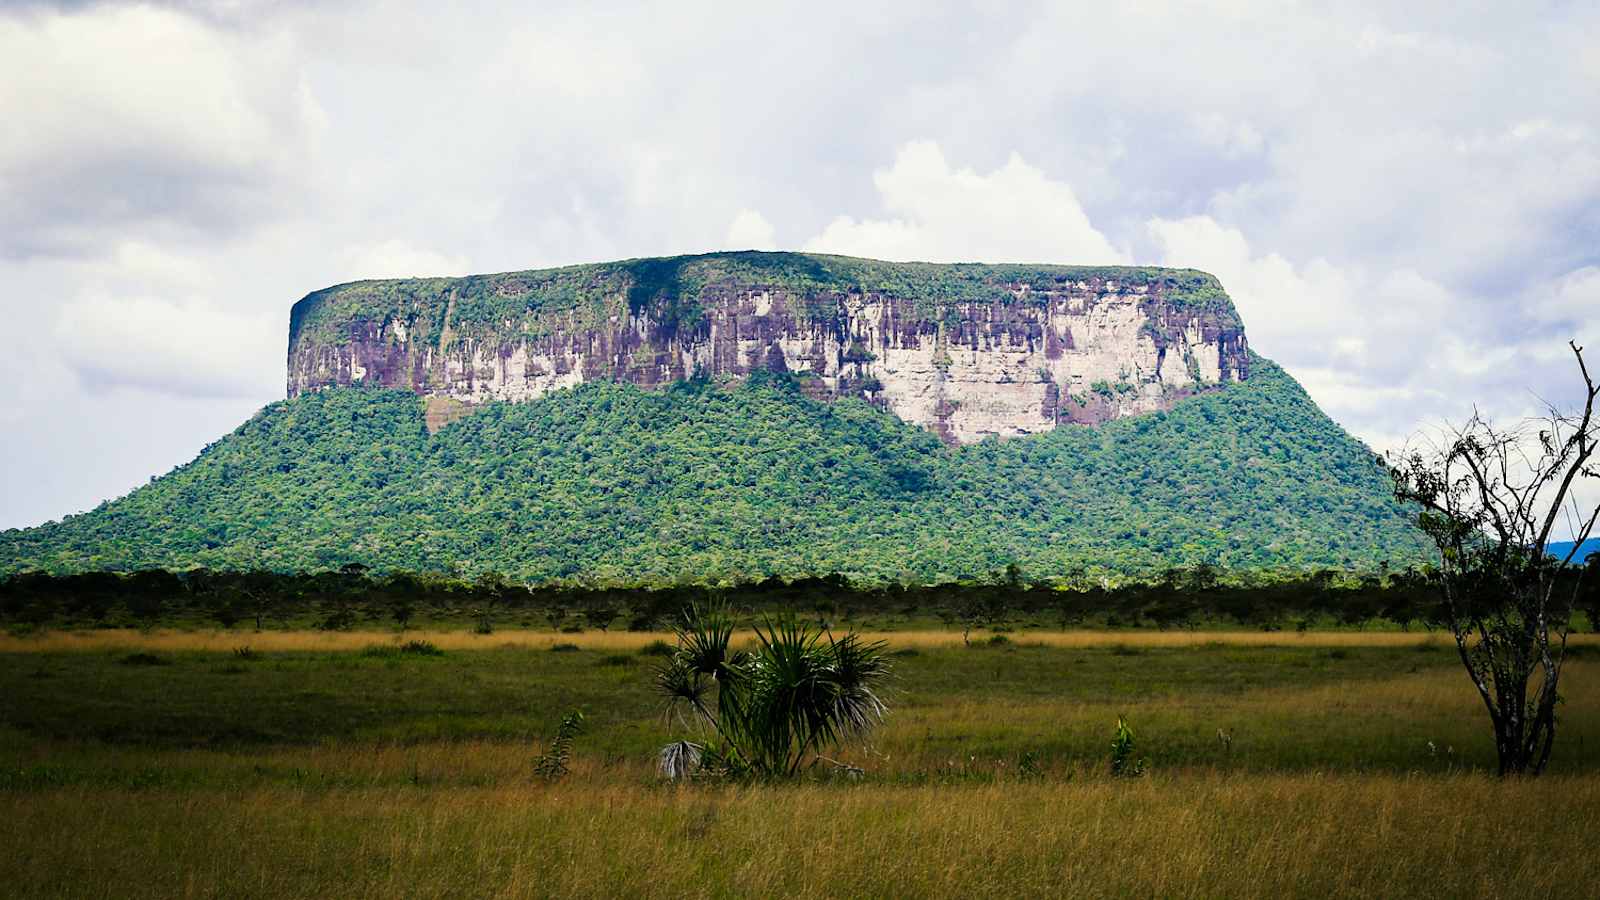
(746, 415)
(966, 351)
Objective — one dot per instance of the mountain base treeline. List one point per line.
(355, 598)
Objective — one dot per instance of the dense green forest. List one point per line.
(705, 483)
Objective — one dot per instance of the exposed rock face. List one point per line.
(967, 351)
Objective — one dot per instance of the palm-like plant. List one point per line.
(770, 710)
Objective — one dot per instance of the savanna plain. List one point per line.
(371, 764)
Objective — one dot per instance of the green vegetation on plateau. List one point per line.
(711, 482)
(670, 289)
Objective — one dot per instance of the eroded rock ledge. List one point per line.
(964, 350)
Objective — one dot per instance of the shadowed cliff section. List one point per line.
(966, 350)
(701, 482)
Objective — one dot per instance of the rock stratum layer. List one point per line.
(966, 350)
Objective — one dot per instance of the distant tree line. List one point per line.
(355, 597)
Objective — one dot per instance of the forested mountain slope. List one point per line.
(709, 481)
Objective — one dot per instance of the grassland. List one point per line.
(169, 765)
(1272, 836)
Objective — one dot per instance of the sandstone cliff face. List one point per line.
(967, 351)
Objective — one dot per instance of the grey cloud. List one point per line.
(145, 120)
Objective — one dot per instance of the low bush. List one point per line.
(656, 648)
(145, 659)
(396, 651)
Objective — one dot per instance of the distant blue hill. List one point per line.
(1589, 548)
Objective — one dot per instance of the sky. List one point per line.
(1404, 204)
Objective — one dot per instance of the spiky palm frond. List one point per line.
(679, 759)
(858, 667)
(797, 692)
(682, 686)
(703, 640)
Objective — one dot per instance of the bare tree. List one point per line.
(1491, 500)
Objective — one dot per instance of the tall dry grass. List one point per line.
(1199, 836)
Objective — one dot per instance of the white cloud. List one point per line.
(122, 115)
(1369, 347)
(396, 258)
(189, 349)
(940, 214)
(750, 230)
(1280, 302)
(1388, 352)
(1572, 299)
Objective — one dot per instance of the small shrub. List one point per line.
(616, 659)
(409, 648)
(1338, 653)
(341, 619)
(552, 764)
(1123, 763)
(906, 651)
(656, 648)
(483, 626)
(1028, 766)
(245, 654)
(145, 659)
(1125, 650)
(572, 628)
(565, 648)
(999, 640)
(643, 622)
